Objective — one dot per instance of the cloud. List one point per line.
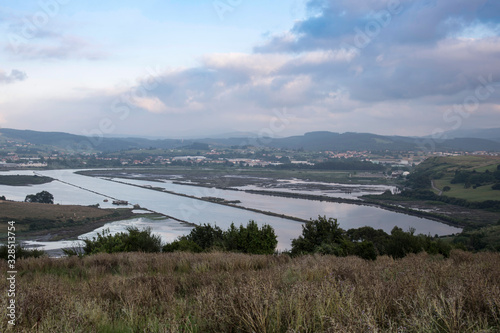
(359, 65)
(31, 40)
(399, 49)
(14, 76)
(54, 46)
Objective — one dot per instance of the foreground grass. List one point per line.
(221, 292)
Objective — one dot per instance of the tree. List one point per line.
(2, 198)
(206, 236)
(251, 239)
(41, 197)
(321, 233)
(134, 240)
(247, 239)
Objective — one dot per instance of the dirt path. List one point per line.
(435, 188)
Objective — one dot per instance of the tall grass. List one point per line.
(229, 292)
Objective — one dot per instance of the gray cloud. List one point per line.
(15, 75)
(405, 49)
(421, 60)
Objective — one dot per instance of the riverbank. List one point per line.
(207, 199)
(48, 222)
(412, 211)
(420, 210)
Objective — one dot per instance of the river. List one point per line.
(70, 189)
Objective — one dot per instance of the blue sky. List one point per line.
(194, 68)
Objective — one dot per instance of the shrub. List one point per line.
(317, 232)
(134, 240)
(183, 245)
(41, 197)
(206, 236)
(245, 239)
(20, 252)
(365, 250)
(251, 239)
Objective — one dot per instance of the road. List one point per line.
(435, 188)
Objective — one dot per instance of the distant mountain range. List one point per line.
(471, 140)
(488, 134)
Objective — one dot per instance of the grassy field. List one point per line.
(21, 210)
(445, 167)
(481, 193)
(228, 292)
(58, 220)
(18, 180)
(333, 176)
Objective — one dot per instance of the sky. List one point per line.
(182, 69)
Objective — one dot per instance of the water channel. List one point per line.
(75, 189)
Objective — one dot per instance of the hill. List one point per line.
(465, 177)
(314, 141)
(492, 134)
(71, 142)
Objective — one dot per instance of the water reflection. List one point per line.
(196, 211)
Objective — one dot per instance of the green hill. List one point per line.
(467, 177)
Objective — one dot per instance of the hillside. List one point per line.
(71, 142)
(315, 141)
(468, 177)
(229, 292)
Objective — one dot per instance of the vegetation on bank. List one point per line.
(245, 239)
(471, 179)
(450, 183)
(43, 197)
(231, 292)
(32, 218)
(321, 236)
(20, 180)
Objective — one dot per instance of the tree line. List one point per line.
(322, 236)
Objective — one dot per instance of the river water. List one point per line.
(74, 189)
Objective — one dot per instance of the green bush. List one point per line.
(20, 252)
(41, 197)
(134, 240)
(246, 239)
(183, 245)
(317, 232)
(206, 236)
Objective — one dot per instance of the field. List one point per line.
(58, 221)
(443, 169)
(240, 177)
(481, 193)
(229, 292)
(18, 180)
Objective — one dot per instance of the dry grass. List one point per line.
(22, 210)
(221, 292)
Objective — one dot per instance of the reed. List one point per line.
(230, 292)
